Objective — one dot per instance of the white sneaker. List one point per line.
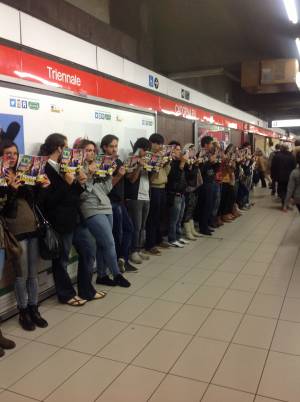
(121, 264)
(176, 244)
(135, 258)
(183, 241)
(144, 256)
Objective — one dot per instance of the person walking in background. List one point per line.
(273, 178)
(261, 167)
(293, 188)
(137, 196)
(158, 181)
(282, 165)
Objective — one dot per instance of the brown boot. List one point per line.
(6, 343)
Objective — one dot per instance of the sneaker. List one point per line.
(135, 258)
(153, 251)
(105, 280)
(121, 264)
(183, 241)
(144, 256)
(176, 244)
(130, 268)
(121, 281)
(36, 317)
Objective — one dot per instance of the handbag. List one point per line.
(49, 240)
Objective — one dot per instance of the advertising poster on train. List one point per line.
(12, 126)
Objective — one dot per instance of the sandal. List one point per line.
(76, 302)
(99, 295)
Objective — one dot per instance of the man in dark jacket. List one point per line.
(282, 165)
(176, 187)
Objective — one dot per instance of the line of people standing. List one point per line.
(119, 221)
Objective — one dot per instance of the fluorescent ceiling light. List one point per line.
(291, 9)
(286, 123)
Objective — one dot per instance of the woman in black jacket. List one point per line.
(21, 221)
(60, 203)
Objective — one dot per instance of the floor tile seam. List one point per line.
(277, 321)
(77, 335)
(146, 297)
(160, 297)
(92, 357)
(123, 330)
(231, 389)
(66, 379)
(58, 349)
(19, 394)
(234, 334)
(272, 398)
(45, 330)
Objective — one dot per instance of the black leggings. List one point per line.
(227, 199)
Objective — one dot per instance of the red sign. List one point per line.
(18, 64)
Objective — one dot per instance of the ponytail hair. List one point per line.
(52, 143)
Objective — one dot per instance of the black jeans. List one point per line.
(157, 206)
(122, 230)
(85, 246)
(205, 204)
(227, 199)
(282, 190)
(63, 284)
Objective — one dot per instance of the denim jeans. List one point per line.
(176, 212)
(26, 283)
(85, 246)
(138, 211)
(122, 230)
(157, 205)
(100, 227)
(63, 284)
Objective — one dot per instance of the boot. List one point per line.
(187, 231)
(25, 320)
(6, 343)
(2, 352)
(36, 317)
(193, 230)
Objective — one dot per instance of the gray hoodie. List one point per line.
(293, 189)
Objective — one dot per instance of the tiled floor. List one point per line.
(217, 321)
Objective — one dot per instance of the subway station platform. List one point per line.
(217, 321)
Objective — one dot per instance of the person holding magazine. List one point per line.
(60, 203)
(96, 210)
(137, 195)
(122, 224)
(22, 223)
